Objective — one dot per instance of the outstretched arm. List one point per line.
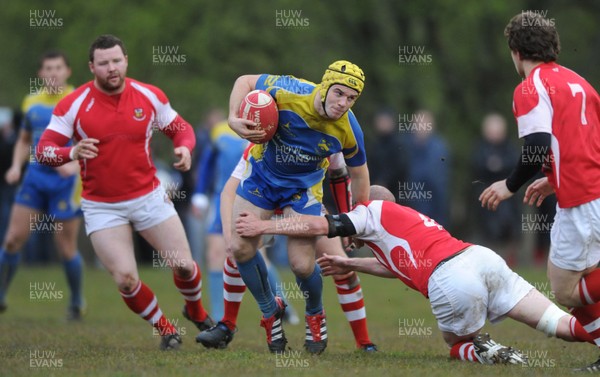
(248, 225)
(337, 265)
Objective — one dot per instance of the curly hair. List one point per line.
(533, 37)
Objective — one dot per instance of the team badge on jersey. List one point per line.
(323, 146)
(138, 114)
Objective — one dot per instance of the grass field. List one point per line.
(111, 341)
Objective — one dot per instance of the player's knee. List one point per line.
(66, 248)
(242, 251)
(126, 282)
(184, 270)
(302, 268)
(14, 241)
(242, 256)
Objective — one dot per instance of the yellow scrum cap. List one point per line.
(344, 73)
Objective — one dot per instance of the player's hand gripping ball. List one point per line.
(259, 107)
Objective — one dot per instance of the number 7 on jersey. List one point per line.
(577, 88)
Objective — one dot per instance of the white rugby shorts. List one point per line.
(575, 237)
(472, 287)
(143, 212)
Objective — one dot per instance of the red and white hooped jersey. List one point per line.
(123, 124)
(406, 242)
(556, 100)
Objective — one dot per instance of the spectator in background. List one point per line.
(386, 153)
(8, 138)
(493, 158)
(427, 188)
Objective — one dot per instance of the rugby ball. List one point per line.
(259, 107)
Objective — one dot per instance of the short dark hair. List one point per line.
(104, 42)
(52, 54)
(534, 37)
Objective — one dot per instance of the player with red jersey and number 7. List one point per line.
(557, 114)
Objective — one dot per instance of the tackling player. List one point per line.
(465, 283)
(287, 172)
(113, 119)
(557, 114)
(54, 191)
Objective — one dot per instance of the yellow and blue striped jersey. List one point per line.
(297, 154)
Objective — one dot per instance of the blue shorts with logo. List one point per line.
(258, 191)
(48, 192)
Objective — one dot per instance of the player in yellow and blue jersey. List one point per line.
(48, 198)
(315, 122)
